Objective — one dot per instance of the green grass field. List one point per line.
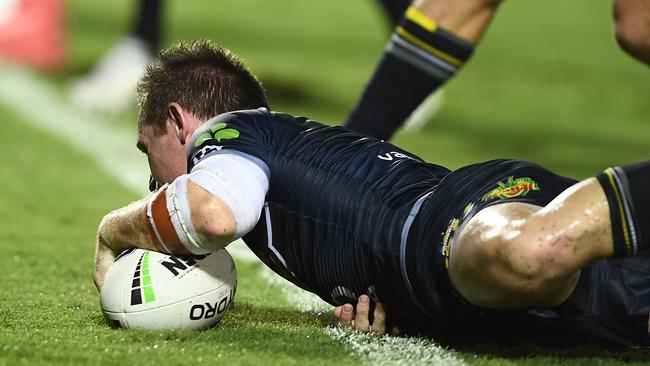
(548, 84)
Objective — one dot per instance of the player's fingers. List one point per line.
(346, 315)
(104, 257)
(337, 312)
(379, 323)
(361, 321)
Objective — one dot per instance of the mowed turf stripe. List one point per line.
(112, 147)
(40, 104)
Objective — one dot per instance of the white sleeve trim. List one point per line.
(239, 180)
(179, 213)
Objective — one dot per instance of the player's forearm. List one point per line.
(134, 226)
(142, 225)
(125, 228)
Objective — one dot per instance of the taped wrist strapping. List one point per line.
(168, 220)
(628, 194)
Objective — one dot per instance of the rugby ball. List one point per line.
(144, 289)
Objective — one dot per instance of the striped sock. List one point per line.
(419, 57)
(628, 194)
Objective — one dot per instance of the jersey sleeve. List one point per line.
(239, 180)
(242, 131)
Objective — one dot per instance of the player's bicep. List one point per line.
(218, 202)
(238, 184)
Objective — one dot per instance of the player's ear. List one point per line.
(176, 115)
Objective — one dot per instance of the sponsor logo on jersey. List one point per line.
(205, 151)
(141, 286)
(513, 187)
(394, 155)
(447, 238)
(219, 132)
(452, 229)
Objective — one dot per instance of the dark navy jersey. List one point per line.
(337, 202)
(347, 215)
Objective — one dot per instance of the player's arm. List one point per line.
(218, 202)
(632, 19)
(130, 227)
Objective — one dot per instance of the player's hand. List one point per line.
(119, 230)
(360, 319)
(105, 253)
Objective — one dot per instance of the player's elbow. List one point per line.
(214, 225)
(212, 219)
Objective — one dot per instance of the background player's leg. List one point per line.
(110, 85)
(394, 9)
(419, 117)
(427, 48)
(147, 25)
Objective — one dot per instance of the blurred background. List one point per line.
(548, 83)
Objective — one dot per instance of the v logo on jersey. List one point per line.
(217, 132)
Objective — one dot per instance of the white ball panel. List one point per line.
(198, 313)
(154, 290)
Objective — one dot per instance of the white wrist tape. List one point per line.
(179, 213)
(165, 224)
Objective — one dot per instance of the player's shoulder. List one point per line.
(234, 117)
(259, 118)
(249, 131)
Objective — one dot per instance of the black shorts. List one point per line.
(610, 303)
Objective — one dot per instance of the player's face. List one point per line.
(165, 152)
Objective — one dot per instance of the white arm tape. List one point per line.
(179, 213)
(237, 179)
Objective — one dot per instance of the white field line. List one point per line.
(371, 350)
(112, 147)
(41, 105)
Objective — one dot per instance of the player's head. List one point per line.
(202, 77)
(187, 85)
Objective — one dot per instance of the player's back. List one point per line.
(337, 203)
